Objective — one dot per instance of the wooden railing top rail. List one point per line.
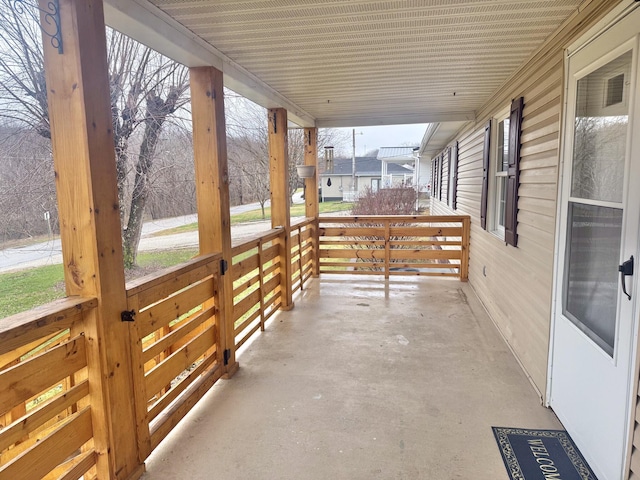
(141, 284)
(303, 222)
(31, 325)
(395, 218)
(253, 242)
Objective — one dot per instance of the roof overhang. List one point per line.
(437, 136)
(351, 63)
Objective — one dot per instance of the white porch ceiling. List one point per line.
(351, 62)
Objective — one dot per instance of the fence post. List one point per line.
(280, 198)
(212, 193)
(86, 182)
(464, 260)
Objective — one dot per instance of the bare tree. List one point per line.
(146, 91)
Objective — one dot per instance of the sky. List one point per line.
(385, 136)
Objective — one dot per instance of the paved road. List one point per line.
(50, 252)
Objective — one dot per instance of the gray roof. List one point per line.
(365, 167)
(396, 153)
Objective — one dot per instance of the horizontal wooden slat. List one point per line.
(173, 393)
(162, 374)
(244, 267)
(173, 307)
(348, 253)
(244, 305)
(29, 378)
(26, 327)
(265, 237)
(425, 254)
(247, 335)
(51, 450)
(324, 242)
(169, 419)
(249, 284)
(187, 327)
(253, 317)
(173, 278)
(80, 466)
(21, 427)
(426, 231)
(352, 232)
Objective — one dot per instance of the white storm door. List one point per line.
(594, 322)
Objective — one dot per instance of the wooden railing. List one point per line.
(175, 345)
(395, 245)
(45, 411)
(51, 371)
(257, 293)
(302, 252)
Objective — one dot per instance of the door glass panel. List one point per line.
(602, 117)
(591, 276)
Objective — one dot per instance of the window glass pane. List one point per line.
(501, 199)
(600, 134)
(591, 277)
(502, 163)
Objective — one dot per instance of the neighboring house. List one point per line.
(368, 175)
(407, 157)
(548, 173)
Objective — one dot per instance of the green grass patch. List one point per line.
(24, 290)
(297, 210)
(165, 258)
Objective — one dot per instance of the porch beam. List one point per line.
(312, 209)
(212, 192)
(280, 196)
(86, 183)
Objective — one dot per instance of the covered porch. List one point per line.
(398, 372)
(365, 378)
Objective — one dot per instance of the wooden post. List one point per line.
(86, 183)
(280, 198)
(464, 259)
(212, 193)
(311, 189)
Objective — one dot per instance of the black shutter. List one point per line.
(440, 168)
(449, 175)
(433, 177)
(485, 175)
(513, 178)
(454, 179)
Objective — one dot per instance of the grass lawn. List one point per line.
(256, 216)
(20, 291)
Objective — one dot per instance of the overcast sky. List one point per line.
(387, 136)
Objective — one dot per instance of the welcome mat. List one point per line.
(541, 455)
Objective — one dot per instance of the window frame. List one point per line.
(495, 187)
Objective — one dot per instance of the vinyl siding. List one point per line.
(515, 284)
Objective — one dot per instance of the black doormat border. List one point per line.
(512, 463)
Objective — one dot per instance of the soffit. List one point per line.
(356, 62)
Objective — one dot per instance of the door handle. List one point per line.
(626, 269)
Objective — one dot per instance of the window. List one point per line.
(499, 170)
(500, 173)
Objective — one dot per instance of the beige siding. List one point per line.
(515, 283)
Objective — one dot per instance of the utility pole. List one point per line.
(353, 162)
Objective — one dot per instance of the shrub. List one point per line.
(387, 201)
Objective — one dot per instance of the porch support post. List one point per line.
(311, 189)
(86, 184)
(280, 197)
(212, 193)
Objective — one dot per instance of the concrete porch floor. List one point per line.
(363, 379)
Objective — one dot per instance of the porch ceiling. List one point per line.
(351, 62)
